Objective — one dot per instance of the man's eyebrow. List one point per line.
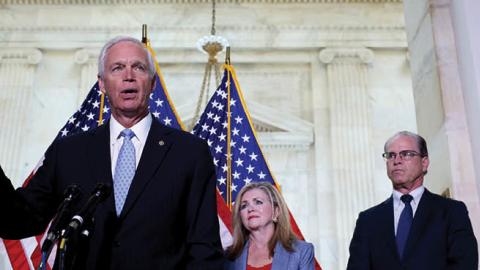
(117, 63)
(139, 62)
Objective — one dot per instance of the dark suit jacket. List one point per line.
(441, 237)
(301, 259)
(169, 220)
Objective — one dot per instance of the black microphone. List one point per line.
(99, 194)
(71, 194)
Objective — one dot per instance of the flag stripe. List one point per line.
(29, 244)
(16, 254)
(36, 256)
(4, 260)
(224, 212)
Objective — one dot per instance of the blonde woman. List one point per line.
(262, 235)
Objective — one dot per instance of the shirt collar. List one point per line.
(416, 194)
(140, 129)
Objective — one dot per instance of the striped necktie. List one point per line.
(124, 170)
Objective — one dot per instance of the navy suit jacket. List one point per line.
(169, 219)
(301, 259)
(441, 237)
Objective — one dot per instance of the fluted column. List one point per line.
(87, 59)
(17, 70)
(350, 120)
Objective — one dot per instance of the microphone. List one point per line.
(99, 194)
(71, 194)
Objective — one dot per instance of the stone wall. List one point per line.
(326, 82)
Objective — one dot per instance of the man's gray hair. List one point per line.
(112, 42)
(421, 143)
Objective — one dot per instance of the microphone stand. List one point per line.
(74, 238)
(71, 194)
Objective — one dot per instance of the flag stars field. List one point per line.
(96, 104)
(213, 126)
(159, 102)
(167, 121)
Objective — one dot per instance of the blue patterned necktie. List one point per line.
(404, 224)
(124, 169)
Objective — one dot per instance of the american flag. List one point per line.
(227, 127)
(25, 254)
(232, 137)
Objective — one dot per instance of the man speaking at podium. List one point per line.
(162, 211)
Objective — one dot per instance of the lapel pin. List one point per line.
(161, 143)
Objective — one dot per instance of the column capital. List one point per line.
(86, 56)
(362, 55)
(21, 55)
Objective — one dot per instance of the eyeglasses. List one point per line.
(404, 155)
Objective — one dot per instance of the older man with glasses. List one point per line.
(414, 228)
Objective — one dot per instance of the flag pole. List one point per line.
(144, 34)
(229, 152)
(227, 56)
(102, 105)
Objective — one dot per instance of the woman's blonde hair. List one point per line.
(283, 231)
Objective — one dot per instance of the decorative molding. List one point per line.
(21, 55)
(328, 55)
(242, 36)
(154, 28)
(84, 56)
(150, 2)
(275, 129)
(298, 141)
(264, 127)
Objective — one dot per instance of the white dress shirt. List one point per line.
(398, 205)
(140, 129)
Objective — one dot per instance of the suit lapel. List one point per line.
(156, 147)
(99, 160)
(241, 262)
(280, 258)
(387, 224)
(420, 219)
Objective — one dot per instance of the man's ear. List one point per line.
(154, 83)
(425, 163)
(101, 85)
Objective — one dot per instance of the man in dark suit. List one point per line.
(414, 228)
(162, 211)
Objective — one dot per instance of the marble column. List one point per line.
(17, 70)
(87, 59)
(350, 121)
(442, 104)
